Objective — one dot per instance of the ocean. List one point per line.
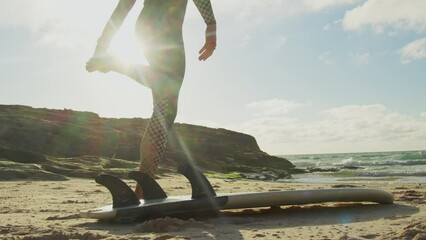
(404, 166)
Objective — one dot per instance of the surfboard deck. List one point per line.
(176, 205)
(203, 199)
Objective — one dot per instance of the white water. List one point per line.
(409, 166)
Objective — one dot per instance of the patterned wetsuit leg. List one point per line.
(159, 28)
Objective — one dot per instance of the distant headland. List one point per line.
(46, 144)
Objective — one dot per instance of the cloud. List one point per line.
(255, 11)
(318, 5)
(245, 41)
(325, 58)
(67, 23)
(379, 15)
(12, 60)
(357, 111)
(326, 27)
(59, 23)
(280, 42)
(273, 107)
(360, 58)
(414, 51)
(374, 123)
(342, 129)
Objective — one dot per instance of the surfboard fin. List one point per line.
(122, 195)
(201, 187)
(150, 188)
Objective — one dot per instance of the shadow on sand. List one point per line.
(228, 224)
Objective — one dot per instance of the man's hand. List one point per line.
(210, 45)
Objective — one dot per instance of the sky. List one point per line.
(301, 76)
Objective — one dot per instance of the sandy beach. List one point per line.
(49, 210)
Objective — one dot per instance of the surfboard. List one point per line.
(127, 207)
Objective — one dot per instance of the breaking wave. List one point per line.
(380, 164)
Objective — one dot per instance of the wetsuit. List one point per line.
(159, 29)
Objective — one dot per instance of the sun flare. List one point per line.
(125, 45)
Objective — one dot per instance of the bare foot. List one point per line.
(104, 64)
(107, 63)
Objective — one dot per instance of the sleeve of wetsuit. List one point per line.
(206, 11)
(114, 24)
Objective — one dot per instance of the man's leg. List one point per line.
(138, 72)
(169, 65)
(159, 28)
(153, 144)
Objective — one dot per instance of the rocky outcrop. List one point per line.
(82, 144)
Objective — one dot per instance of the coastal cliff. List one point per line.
(55, 144)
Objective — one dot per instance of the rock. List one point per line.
(351, 167)
(343, 186)
(82, 144)
(267, 175)
(21, 156)
(298, 171)
(10, 171)
(316, 169)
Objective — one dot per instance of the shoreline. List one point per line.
(320, 178)
(49, 210)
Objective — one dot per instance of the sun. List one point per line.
(125, 45)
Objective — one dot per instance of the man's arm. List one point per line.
(206, 11)
(113, 25)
